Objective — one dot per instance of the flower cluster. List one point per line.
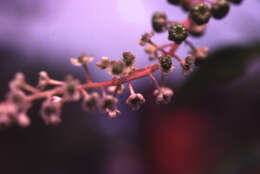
(20, 98)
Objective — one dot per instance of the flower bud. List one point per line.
(128, 58)
(117, 68)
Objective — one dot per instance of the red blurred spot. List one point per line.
(181, 142)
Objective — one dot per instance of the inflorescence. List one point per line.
(55, 93)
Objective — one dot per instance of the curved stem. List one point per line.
(131, 89)
(156, 84)
(87, 73)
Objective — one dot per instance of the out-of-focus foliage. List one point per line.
(221, 68)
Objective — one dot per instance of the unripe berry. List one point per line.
(220, 9)
(200, 13)
(174, 2)
(166, 63)
(235, 1)
(128, 58)
(159, 22)
(117, 68)
(178, 33)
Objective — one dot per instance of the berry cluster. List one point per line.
(55, 93)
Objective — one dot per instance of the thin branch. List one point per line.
(131, 89)
(87, 73)
(156, 84)
(190, 45)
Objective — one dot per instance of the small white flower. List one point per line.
(108, 105)
(104, 62)
(163, 95)
(43, 80)
(120, 89)
(51, 110)
(17, 82)
(135, 101)
(90, 101)
(81, 60)
(71, 92)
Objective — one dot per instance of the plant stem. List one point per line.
(87, 73)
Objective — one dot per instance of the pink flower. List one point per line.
(108, 106)
(51, 110)
(90, 101)
(18, 98)
(135, 101)
(163, 95)
(43, 80)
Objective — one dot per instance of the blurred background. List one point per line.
(211, 126)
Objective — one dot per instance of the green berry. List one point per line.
(200, 13)
(117, 68)
(128, 58)
(220, 9)
(174, 2)
(178, 33)
(159, 22)
(166, 63)
(235, 1)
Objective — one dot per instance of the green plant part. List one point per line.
(165, 63)
(200, 13)
(117, 67)
(178, 33)
(159, 22)
(128, 58)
